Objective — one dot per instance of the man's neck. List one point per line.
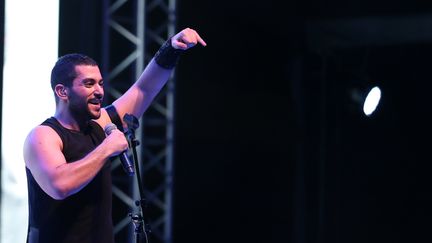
(69, 122)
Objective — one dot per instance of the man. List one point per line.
(67, 156)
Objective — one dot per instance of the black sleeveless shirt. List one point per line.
(83, 217)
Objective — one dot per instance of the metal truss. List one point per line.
(133, 31)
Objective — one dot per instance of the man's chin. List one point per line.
(95, 113)
(95, 116)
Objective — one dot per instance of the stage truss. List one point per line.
(133, 31)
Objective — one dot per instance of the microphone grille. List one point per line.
(109, 128)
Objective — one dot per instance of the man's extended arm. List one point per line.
(139, 97)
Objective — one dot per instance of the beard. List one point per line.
(80, 108)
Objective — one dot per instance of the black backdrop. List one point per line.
(269, 147)
(266, 151)
(235, 126)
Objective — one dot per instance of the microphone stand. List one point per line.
(138, 219)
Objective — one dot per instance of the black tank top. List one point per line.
(84, 217)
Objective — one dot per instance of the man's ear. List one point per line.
(61, 91)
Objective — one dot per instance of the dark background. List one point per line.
(269, 146)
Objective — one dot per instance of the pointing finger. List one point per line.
(199, 39)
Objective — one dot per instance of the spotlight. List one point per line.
(371, 101)
(368, 98)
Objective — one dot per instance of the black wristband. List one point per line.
(167, 56)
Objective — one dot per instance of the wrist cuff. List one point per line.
(167, 56)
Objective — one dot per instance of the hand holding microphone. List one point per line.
(126, 163)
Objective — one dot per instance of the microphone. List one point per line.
(127, 165)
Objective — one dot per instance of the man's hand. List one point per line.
(186, 39)
(116, 142)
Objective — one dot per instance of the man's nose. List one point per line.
(99, 91)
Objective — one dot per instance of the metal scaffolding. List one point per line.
(133, 30)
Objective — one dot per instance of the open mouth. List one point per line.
(95, 101)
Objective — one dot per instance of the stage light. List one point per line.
(367, 98)
(371, 101)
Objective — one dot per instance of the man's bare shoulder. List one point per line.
(42, 134)
(38, 143)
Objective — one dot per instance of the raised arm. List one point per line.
(140, 95)
(59, 179)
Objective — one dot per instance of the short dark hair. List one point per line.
(64, 72)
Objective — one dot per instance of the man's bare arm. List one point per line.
(59, 179)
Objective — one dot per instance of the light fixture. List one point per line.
(371, 101)
(367, 97)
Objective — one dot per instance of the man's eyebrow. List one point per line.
(91, 80)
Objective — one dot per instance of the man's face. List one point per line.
(86, 93)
